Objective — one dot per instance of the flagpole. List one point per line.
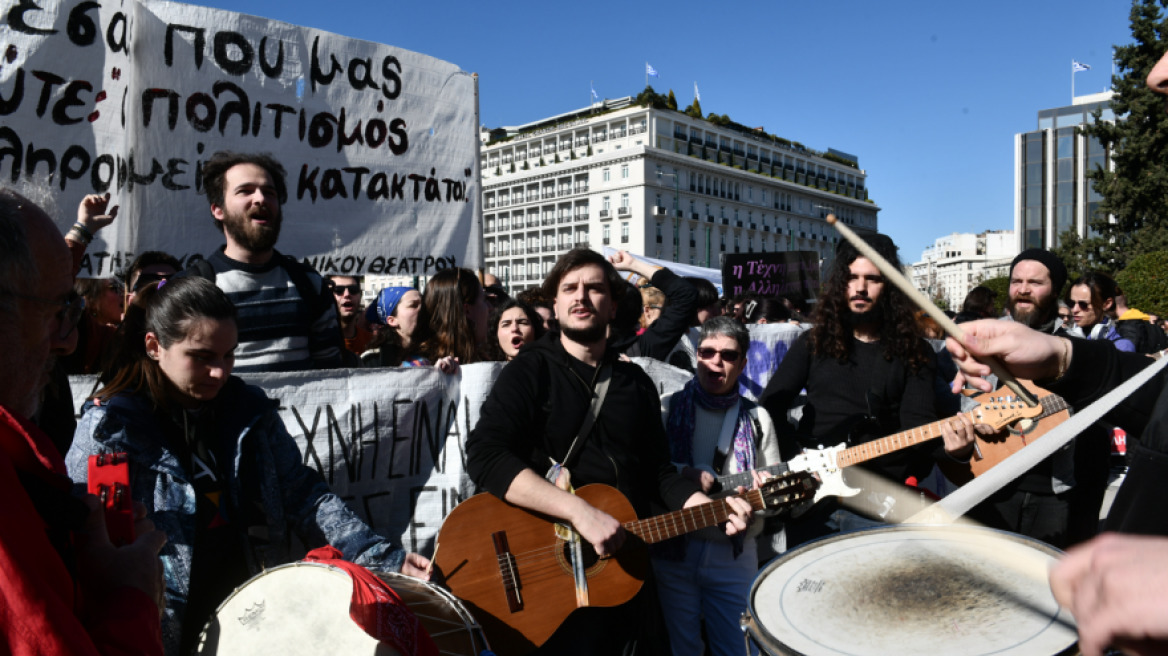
(1072, 81)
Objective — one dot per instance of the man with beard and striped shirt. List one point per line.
(287, 318)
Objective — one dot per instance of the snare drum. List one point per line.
(303, 608)
(959, 591)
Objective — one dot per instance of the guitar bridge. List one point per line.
(507, 571)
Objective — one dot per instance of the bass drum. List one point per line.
(911, 589)
(303, 609)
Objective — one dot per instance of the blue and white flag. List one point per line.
(1076, 67)
(697, 94)
(594, 96)
(649, 70)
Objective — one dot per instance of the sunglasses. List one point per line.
(1082, 305)
(728, 355)
(69, 314)
(146, 279)
(353, 289)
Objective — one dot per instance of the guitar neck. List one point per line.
(732, 481)
(687, 520)
(1051, 404)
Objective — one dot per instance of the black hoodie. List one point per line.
(536, 408)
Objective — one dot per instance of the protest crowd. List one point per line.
(221, 491)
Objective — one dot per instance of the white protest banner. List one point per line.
(380, 144)
(392, 441)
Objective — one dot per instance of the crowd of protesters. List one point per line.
(222, 486)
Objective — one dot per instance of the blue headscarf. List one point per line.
(387, 300)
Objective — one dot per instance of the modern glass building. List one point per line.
(1051, 192)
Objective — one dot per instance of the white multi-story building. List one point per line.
(658, 183)
(955, 264)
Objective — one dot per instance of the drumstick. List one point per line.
(433, 557)
(922, 301)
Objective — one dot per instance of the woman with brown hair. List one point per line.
(458, 310)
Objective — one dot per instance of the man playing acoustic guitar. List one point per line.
(533, 417)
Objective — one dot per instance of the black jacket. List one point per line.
(536, 408)
(1096, 368)
(659, 338)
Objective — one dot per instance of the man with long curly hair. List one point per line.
(868, 373)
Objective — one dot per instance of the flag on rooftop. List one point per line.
(593, 87)
(1076, 67)
(697, 94)
(649, 70)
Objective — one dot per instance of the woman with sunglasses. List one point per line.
(711, 427)
(210, 458)
(1091, 297)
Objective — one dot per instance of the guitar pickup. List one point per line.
(508, 572)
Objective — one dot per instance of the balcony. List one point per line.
(605, 215)
(725, 222)
(624, 211)
(637, 129)
(582, 189)
(581, 216)
(695, 216)
(582, 244)
(548, 194)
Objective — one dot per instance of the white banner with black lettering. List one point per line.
(392, 442)
(380, 144)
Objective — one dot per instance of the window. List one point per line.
(624, 171)
(624, 201)
(607, 203)
(607, 234)
(659, 239)
(606, 175)
(625, 232)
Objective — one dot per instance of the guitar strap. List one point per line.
(974, 492)
(599, 391)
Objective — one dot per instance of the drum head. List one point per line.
(912, 590)
(301, 608)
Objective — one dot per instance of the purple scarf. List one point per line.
(679, 427)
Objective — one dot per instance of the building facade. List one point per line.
(1051, 192)
(957, 263)
(657, 183)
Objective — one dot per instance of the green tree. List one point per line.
(1136, 191)
(1001, 287)
(694, 110)
(1145, 282)
(671, 103)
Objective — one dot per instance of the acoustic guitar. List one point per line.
(513, 568)
(1016, 423)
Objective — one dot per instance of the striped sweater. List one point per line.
(277, 329)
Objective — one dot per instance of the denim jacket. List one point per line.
(293, 495)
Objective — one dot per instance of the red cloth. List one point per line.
(40, 612)
(377, 609)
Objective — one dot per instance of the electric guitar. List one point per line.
(513, 568)
(998, 409)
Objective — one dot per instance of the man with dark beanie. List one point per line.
(1036, 504)
(1037, 277)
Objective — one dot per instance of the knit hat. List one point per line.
(1058, 270)
(386, 303)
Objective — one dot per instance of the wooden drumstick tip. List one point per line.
(831, 219)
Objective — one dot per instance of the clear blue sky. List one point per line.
(927, 94)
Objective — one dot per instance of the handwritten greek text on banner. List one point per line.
(379, 143)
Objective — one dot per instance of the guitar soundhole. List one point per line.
(592, 562)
